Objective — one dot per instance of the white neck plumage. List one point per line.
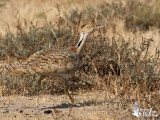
(81, 42)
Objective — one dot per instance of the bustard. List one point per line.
(56, 62)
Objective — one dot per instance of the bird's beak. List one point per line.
(99, 26)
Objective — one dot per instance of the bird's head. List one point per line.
(86, 30)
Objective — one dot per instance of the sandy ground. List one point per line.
(88, 106)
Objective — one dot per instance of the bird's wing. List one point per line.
(49, 62)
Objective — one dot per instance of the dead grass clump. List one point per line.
(136, 14)
(143, 15)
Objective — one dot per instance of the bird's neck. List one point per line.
(81, 44)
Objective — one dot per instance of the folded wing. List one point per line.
(49, 62)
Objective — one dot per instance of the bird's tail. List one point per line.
(16, 72)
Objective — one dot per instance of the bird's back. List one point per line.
(49, 62)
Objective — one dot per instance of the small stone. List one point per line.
(21, 111)
(7, 111)
(47, 111)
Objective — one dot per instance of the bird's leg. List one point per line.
(67, 93)
(39, 83)
(39, 87)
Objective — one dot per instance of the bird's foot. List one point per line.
(72, 102)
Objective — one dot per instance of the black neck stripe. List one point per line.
(80, 43)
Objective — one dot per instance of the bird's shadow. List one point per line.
(67, 105)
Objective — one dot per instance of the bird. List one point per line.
(61, 62)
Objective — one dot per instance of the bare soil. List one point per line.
(88, 106)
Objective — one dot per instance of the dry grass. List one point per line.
(122, 60)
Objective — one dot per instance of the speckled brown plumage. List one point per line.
(49, 62)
